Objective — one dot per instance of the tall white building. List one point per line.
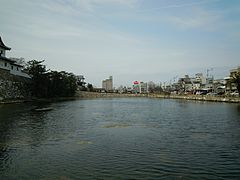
(107, 84)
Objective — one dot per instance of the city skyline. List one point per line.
(128, 39)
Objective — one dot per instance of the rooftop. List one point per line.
(7, 59)
(2, 45)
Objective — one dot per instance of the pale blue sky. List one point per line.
(128, 39)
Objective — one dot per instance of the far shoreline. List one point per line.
(93, 95)
(227, 99)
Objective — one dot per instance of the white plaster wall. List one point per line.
(15, 71)
(19, 73)
(2, 64)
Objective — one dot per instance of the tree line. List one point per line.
(48, 83)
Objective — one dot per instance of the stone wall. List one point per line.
(13, 87)
(84, 94)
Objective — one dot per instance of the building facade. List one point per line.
(107, 84)
(136, 87)
(140, 87)
(232, 81)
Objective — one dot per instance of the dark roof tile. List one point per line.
(2, 45)
(7, 59)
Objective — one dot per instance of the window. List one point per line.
(12, 67)
(5, 64)
(17, 68)
(1, 52)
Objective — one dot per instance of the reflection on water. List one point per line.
(82, 142)
(238, 108)
(115, 126)
(129, 138)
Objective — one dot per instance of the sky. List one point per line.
(144, 40)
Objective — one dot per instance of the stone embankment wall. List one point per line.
(200, 98)
(84, 94)
(13, 87)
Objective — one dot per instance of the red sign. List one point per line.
(135, 82)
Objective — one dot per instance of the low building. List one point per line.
(123, 89)
(8, 64)
(195, 84)
(185, 84)
(200, 82)
(136, 87)
(143, 87)
(107, 84)
(100, 90)
(140, 87)
(199, 78)
(219, 86)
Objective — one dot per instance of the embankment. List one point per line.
(89, 95)
(84, 94)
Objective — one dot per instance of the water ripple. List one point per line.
(121, 139)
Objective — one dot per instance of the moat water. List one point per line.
(125, 138)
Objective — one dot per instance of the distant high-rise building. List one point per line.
(107, 84)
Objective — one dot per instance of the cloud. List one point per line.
(85, 6)
(196, 18)
(99, 38)
(173, 5)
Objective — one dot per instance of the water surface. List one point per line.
(125, 138)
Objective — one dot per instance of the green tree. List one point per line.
(38, 73)
(90, 87)
(61, 84)
(46, 83)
